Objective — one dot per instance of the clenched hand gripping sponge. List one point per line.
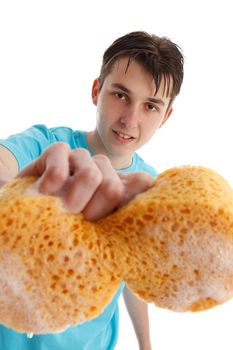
(172, 245)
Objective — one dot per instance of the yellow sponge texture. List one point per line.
(172, 245)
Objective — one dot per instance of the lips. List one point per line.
(123, 135)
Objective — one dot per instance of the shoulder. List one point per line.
(30, 143)
(75, 138)
(58, 133)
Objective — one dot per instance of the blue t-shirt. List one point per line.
(101, 333)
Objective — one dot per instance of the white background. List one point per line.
(50, 52)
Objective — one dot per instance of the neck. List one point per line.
(94, 143)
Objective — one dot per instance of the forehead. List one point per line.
(130, 71)
(125, 67)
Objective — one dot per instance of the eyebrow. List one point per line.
(125, 89)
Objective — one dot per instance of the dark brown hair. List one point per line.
(158, 55)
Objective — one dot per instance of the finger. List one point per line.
(86, 178)
(52, 168)
(134, 183)
(108, 194)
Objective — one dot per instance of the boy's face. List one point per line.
(128, 111)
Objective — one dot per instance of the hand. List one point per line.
(85, 184)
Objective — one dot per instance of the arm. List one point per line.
(138, 312)
(84, 183)
(8, 165)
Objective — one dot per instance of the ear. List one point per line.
(95, 91)
(167, 115)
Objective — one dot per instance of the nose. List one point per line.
(130, 117)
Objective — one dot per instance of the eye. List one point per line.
(120, 95)
(151, 107)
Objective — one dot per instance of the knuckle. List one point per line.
(61, 146)
(147, 177)
(144, 180)
(113, 191)
(82, 152)
(102, 158)
(92, 176)
(55, 174)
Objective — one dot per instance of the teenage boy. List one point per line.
(95, 172)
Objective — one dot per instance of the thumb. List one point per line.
(2, 183)
(134, 184)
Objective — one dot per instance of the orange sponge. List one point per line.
(172, 245)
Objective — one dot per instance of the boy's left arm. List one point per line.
(138, 312)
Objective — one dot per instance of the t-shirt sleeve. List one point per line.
(29, 144)
(151, 171)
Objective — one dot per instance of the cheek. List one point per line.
(108, 113)
(102, 120)
(149, 128)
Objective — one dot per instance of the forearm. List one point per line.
(8, 165)
(4, 175)
(138, 312)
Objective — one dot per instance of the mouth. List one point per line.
(122, 136)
